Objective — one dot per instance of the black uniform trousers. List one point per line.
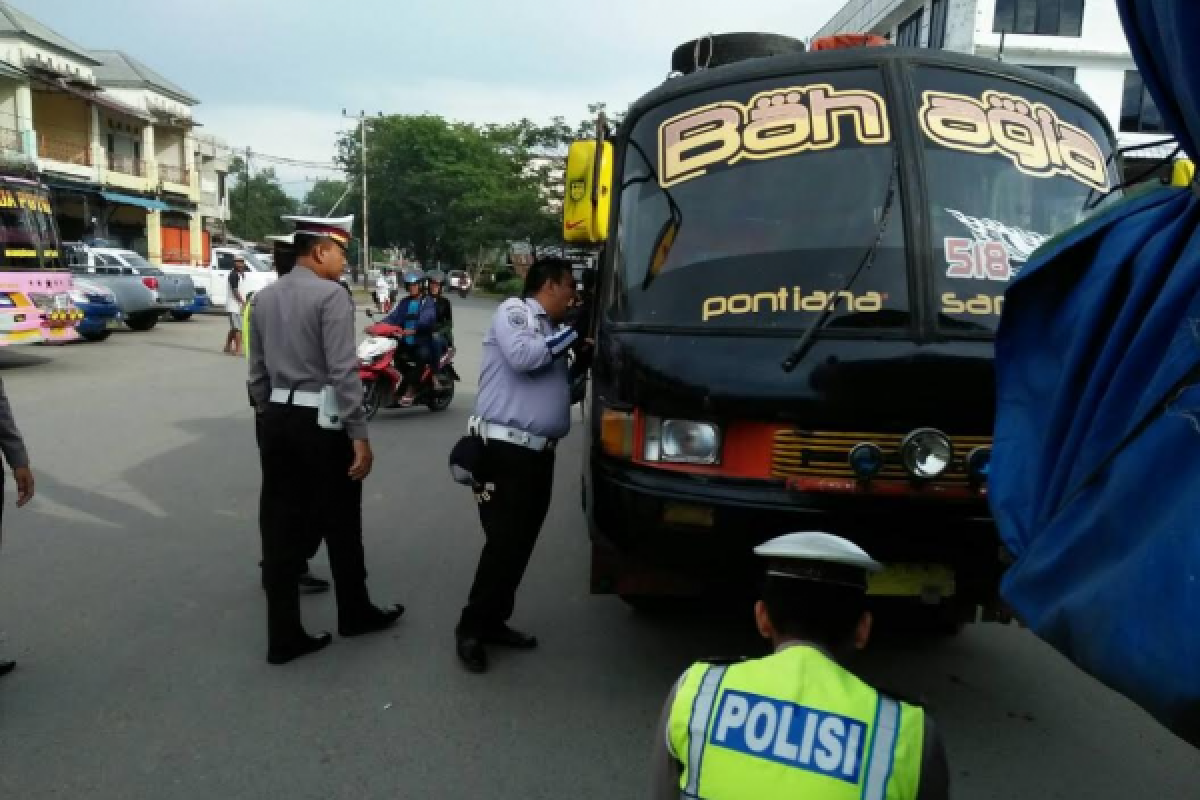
(314, 539)
(307, 494)
(512, 518)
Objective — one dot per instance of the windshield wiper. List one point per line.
(806, 341)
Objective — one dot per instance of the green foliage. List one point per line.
(256, 202)
(322, 196)
(510, 288)
(448, 191)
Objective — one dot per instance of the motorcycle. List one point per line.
(383, 365)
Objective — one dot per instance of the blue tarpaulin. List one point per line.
(1095, 481)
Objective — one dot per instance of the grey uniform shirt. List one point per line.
(302, 337)
(523, 380)
(11, 443)
(666, 769)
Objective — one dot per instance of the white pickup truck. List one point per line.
(213, 278)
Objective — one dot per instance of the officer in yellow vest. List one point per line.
(796, 724)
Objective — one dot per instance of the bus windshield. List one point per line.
(771, 217)
(748, 207)
(992, 202)
(28, 235)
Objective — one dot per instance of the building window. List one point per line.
(909, 32)
(937, 24)
(1040, 17)
(1062, 73)
(1139, 114)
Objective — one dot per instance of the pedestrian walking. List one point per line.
(13, 447)
(284, 258)
(522, 410)
(233, 306)
(796, 723)
(315, 449)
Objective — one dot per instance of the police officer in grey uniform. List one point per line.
(284, 258)
(315, 451)
(523, 409)
(13, 447)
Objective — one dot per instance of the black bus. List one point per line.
(797, 306)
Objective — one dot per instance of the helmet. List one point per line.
(411, 278)
(436, 276)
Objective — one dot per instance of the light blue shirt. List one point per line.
(523, 381)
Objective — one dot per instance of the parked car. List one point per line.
(137, 302)
(459, 280)
(101, 313)
(213, 277)
(176, 294)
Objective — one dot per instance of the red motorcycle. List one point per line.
(383, 365)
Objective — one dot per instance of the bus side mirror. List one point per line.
(588, 200)
(1183, 172)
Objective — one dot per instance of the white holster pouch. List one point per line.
(329, 416)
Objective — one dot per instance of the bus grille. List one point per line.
(822, 454)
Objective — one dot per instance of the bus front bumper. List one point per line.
(657, 532)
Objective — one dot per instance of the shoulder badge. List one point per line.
(517, 318)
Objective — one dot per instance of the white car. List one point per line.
(213, 277)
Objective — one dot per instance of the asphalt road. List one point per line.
(129, 594)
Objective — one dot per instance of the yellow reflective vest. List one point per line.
(246, 307)
(793, 724)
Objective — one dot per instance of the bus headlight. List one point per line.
(926, 453)
(681, 441)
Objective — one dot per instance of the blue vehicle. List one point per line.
(200, 304)
(101, 313)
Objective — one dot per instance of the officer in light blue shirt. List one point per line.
(523, 409)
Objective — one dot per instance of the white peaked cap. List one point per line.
(817, 556)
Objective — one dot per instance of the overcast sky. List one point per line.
(275, 74)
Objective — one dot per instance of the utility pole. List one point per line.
(365, 258)
(246, 194)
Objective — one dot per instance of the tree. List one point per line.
(443, 190)
(324, 194)
(256, 202)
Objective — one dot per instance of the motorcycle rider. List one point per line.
(443, 336)
(416, 314)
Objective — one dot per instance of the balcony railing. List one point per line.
(169, 173)
(127, 165)
(10, 141)
(66, 151)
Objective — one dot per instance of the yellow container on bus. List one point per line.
(588, 197)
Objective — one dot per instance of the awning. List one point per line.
(9, 71)
(148, 203)
(97, 97)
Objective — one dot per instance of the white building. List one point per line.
(1078, 40)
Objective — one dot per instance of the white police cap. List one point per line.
(289, 239)
(820, 557)
(337, 228)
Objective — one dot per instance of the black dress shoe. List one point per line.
(310, 584)
(504, 636)
(370, 621)
(298, 648)
(7, 667)
(472, 654)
